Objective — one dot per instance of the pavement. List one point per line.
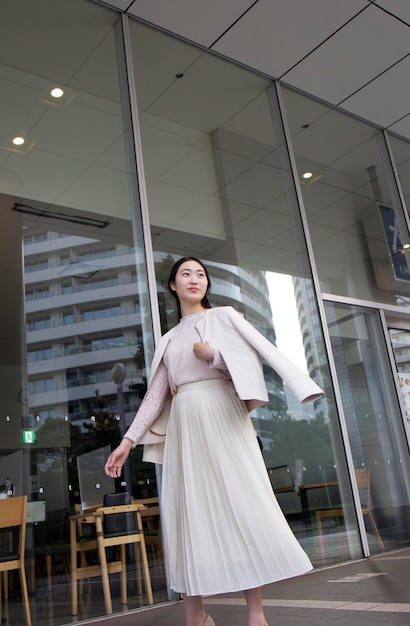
(369, 591)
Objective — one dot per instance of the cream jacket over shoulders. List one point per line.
(241, 347)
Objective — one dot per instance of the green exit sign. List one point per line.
(29, 436)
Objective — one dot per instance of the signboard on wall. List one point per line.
(397, 243)
(388, 243)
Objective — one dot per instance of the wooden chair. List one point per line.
(151, 520)
(12, 546)
(363, 484)
(128, 532)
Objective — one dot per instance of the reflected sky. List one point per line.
(285, 318)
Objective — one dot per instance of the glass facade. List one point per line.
(219, 183)
(105, 188)
(357, 223)
(374, 423)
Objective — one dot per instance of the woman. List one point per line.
(223, 529)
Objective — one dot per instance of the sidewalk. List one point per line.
(371, 591)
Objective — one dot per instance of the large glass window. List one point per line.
(219, 186)
(374, 424)
(73, 284)
(356, 221)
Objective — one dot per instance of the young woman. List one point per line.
(223, 528)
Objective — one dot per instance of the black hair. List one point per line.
(205, 302)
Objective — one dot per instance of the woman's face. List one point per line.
(190, 283)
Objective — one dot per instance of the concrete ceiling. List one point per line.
(354, 54)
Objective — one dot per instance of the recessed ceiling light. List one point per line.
(57, 92)
(308, 177)
(57, 95)
(19, 140)
(406, 246)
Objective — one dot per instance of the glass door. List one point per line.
(374, 423)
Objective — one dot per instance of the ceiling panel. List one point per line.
(401, 8)
(78, 132)
(335, 49)
(274, 37)
(375, 99)
(177, 200)
(359, 52)
(346, 134)
(57, 34)
(196, 20)
(402, 127)
(208, 75)
(157, 60)
(122, 5)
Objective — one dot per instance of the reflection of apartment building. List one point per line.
(401, 349)
(83, 315)
(310, 329)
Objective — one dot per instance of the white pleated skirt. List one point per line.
(223, 528)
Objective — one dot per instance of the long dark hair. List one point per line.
(205, 302)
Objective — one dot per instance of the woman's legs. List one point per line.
(256, 616)
(195, 614)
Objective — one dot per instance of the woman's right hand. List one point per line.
(117, 458)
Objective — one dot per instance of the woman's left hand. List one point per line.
(204, 351)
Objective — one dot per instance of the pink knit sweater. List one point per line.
(179, 366)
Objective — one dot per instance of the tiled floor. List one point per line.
(373, 591)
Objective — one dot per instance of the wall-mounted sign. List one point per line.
(396, 241)
(29, 436)
(387, 237)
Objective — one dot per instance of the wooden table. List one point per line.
(303, 493)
